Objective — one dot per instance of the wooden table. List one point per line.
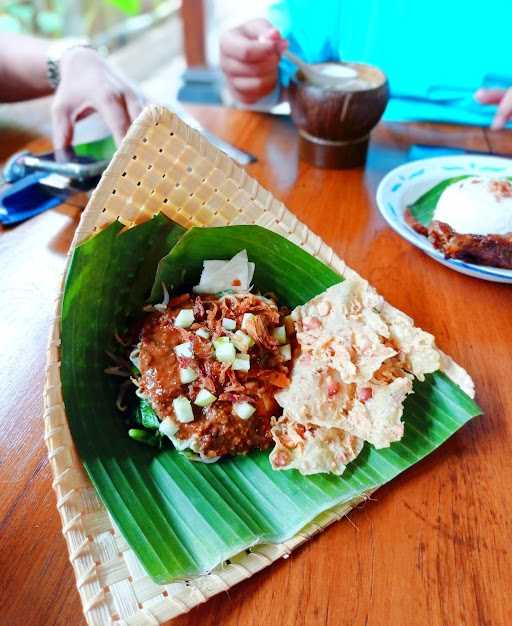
(433, 548)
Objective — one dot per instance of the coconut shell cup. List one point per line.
(334, 124)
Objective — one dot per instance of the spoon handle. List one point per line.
(297, 61)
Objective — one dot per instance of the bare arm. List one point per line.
(23, 71)
(87, 83)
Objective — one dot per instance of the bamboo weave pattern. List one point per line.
(162, 165)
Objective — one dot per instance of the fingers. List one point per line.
(232, 67)
(113, 109)
(260, 29)
(237, 46)
(89, 83)
(250, 58)
(501, 97)
(252, 89)
(135, 102)
(504, 112)
(119, 105)
(62, 125)
(489, 96)
(252, 42)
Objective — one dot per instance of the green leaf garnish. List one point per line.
(148, 417)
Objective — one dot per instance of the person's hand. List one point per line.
(249, 57)
(501, 97)
(88, 83)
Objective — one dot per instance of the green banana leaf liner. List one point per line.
(183, 518)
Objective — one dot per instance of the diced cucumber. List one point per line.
(242, 362)
(248, 317)
(225, 352)
(168, 427)
(228, 323)
(241, 341)
(204, 398)
(185, 350)
(286, 352)
(279, 335)
(244, 410)
(185, 318)
(183, 409)
(188, 375)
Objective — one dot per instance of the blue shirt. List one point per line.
(435, 53)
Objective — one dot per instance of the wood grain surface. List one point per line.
(432, 548)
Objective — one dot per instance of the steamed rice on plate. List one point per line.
(467, 218)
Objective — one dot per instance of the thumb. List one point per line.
(270, 35)
(275, 37)
(259, 28)
(489, 96)
(263, 31)
(62, 127)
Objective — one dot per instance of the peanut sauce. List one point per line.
(216, 428)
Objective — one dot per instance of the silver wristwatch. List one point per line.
(55, 53)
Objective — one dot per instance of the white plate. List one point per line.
(405, 184)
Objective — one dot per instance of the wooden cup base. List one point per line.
(338, 155)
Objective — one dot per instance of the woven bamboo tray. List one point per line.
(162, 165)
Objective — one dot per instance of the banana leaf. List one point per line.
(281, 267)
(183, 518)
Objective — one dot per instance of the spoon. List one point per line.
(334, 75)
